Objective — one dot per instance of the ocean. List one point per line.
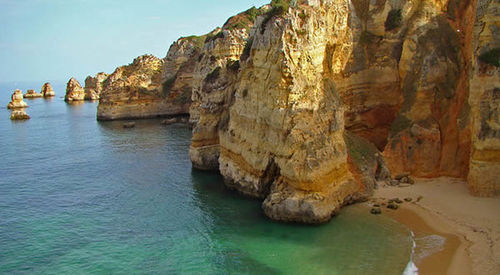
(82, 196)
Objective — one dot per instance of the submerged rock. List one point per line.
(129, 125)
(376, 211)
(17, 100)
(74, 91)
(47, 90)
(32, 94)
(19, 115)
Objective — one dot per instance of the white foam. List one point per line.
(411, 268)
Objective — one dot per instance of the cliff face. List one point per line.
(285, 137)
(134, 91)
(94, 86)
(484, 100)
(213, 83)
(331, 95)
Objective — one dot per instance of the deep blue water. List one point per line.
(77, 195)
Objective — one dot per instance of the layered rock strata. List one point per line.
(213, 83)
(32, 94)
(47, 90)
(284, 140)
(17, 100)
(151, 87)
(74, 91)
(484, 100)
(94, 86)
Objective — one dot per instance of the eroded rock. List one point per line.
(17, 100)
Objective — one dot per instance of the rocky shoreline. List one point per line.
(308, 104)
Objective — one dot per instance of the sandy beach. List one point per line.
(455, 233)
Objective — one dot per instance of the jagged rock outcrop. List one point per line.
(151, 87)
(74, 91)
(484, 100)
(17, 100)
(213, 83)
(94, 86)
(19, 115)
(32, 94)
(47, 90)
(401, 70)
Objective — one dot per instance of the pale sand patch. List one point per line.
(471, 225)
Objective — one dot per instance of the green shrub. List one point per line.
(278, 8)
(211, 37)
(212, 77)
(246, 51)
(491, 57)
(368, 38)
(233, 65)
(393, 20)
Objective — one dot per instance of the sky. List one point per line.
(54, 40)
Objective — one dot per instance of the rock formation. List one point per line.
(74, 91)
(306, 104)
(94, 86)
(47, 90)
(484, 100)
(395, 75)
(17, 100)
(213, 83)
(32, 94)
(139, 90)
(19, 115)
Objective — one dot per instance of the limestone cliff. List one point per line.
(152, 87)
(213, 82)
(394, 74)
(484, 174)
(74, 91)
(32, 94)
(94, 86)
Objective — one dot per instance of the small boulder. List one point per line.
(408, 199)
(17, 100)
(32, 94)
(392, 206)
(169, 121)
(400, 176)
(129, 125)
(404, 180)
(19, 115)
(47, 90)
(376, 211)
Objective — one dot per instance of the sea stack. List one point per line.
(32, 94)
(94, 86)
(19, 115)
(17, 100)
(47, 90)
(74, 91)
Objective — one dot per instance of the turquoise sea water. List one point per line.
(81, 196)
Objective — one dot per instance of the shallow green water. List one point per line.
(79, 196)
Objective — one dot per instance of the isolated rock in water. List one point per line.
(17, 100)
(74, 91)
(94, 86)
(129, 125)
(169, 121)
(32, 94)
(19, 115)
(47, 90)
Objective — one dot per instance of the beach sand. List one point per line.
(455, 233)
